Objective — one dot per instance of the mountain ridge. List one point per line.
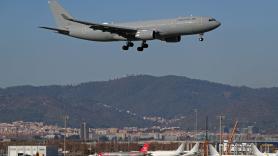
(126, 101)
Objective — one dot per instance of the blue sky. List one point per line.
(243, 51)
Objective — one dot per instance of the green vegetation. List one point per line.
(104, 104)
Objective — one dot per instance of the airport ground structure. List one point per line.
(85, 140)
(77, 148)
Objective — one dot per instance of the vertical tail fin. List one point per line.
(255, 150)
(145, 148)
(194, 151)
(181, 148)
(195, 148)
(99, 154)
(59, 14)
(213, 151)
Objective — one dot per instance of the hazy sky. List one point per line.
(243, 51)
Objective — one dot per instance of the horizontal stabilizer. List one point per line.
(65, 32)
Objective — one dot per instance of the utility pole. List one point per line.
(221, 117)
(196, 123)
(206, 143)
(65, 132)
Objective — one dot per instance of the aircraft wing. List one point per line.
(120, 30)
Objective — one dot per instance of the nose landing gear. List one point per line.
(201, 38)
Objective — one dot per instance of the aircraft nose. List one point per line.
(217, 24)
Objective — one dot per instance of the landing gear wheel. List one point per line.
(130, 44)
(140, 49)
(145, 45)
(125, 47)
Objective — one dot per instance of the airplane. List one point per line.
(256, 152)
(179, 152)
(143, 152)
(168, 30)
(213, 152)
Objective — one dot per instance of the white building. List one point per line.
(32, 151)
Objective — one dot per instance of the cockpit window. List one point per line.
(212, 19)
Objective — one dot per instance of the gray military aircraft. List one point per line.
(168, 30)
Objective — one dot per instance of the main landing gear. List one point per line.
(128, 44)
(131, 44)
(143, 45)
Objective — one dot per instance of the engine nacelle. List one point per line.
(145, 34)
(173, 39)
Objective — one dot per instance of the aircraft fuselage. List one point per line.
(168, 28)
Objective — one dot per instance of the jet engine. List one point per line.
(145, 34)
(173, 39)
